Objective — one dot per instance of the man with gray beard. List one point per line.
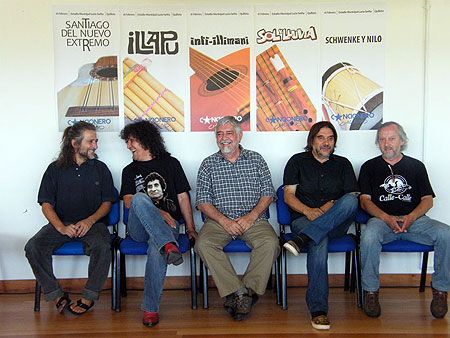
(396, 192)
(234, 189)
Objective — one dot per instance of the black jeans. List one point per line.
(96, 244)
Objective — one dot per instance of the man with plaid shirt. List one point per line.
(234, 190)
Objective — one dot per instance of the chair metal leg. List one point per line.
(277, 280)
(205, 284)
(118, 278)
(359, 292)
(193, 279)
(113, 278)
(123, 276)
(283, 279)
(353, 272)
(37, 297)
(423, 275)
(347, 271)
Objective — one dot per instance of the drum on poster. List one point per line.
(351, 101)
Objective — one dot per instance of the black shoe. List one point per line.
(372, 306)
(243, 306)
(296, 245)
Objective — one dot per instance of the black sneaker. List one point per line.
(372, 306)
(292, 247)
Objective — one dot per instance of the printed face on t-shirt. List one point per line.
(154, 189)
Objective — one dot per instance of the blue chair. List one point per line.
(347, 243)
(127, 246)
(236, 245)
(399, 246)
(76, 249)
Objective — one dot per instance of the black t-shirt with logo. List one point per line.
(396, 189)
(161, 179)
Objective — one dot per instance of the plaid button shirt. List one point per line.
(234, 188)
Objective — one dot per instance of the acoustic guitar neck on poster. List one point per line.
(220, 87)
(94, 92)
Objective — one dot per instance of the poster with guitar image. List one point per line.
(86, 66)
(219, 60)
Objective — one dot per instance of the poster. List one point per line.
(154, 66)
(219, 65)
(278, 68)
(86, 51)
(287, 49)
(352, 65)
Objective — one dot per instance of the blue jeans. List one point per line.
(334, 223)
(145, 224)
(424, 231)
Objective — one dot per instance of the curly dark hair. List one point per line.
(75, 132)
(315, 130)
(148, 136)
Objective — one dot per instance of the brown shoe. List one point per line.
(243, 306)
(371, 304)
(321, 322)
(438, 306)
(230, 304)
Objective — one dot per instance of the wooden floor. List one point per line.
(405, 311)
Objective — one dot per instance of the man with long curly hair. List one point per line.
(76, 194)
(155, 190)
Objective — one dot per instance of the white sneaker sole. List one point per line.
(320, 327)
(291, 249)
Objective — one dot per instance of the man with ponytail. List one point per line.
(76, 194)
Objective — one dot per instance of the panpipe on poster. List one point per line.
(219, 88)
(350, 99)
(94, 92)
(146, 98)
(282, 103)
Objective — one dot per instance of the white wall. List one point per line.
(30, 139)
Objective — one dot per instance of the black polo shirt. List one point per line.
(78, 191)
(318, 183)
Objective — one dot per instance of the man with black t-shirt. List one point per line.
(396, 191)
(320, 189)
(155, 190)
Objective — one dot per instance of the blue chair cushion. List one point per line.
(406, 246)
(130, 247)
(74, 248)
(341, 244)
(237, 245)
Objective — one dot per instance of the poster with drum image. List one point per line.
(350, 99)
(352, 65)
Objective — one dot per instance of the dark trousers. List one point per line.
(39, 250)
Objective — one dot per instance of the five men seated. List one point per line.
(234, 190)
